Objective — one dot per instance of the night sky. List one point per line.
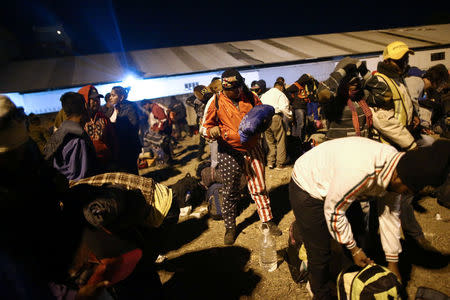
(98, 26)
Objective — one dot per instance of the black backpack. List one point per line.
(371, 282)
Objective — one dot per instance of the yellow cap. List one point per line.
(396, 50)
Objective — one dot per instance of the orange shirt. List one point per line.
(228, 117)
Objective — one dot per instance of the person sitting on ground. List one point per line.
(222, 120)
(118, 203)
(327, 179)
(70, 149)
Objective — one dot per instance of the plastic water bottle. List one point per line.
(268, 251)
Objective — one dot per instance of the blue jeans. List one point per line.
(297, 129)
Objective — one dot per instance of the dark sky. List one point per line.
(98, 26)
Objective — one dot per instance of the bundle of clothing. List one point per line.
(256, 121)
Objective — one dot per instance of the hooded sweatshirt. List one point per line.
(101, 132)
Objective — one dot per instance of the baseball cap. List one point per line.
(396, 50)
(93, 93)
(255, 86)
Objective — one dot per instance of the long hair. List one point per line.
(247, 93)
(121, 91)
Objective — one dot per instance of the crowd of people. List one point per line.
(83, 219)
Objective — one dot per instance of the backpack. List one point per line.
(371, 282)
(214, 198)
(186, 191)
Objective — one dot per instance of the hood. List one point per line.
(85, 92)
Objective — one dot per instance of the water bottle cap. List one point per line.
(265, 228)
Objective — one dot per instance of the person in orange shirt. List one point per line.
(222, 120)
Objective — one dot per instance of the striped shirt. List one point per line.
(343, 170)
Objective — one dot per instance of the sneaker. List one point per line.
(230, 236)
(273, 228)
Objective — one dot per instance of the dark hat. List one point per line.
(231, 79)
(93, 93)
(255, 86)
(425, 166)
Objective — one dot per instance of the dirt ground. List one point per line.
(200, 267)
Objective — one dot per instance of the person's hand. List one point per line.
(416, 121)
(362, 68)
(393, 267)
(91, 291)
(214, 132)
(360, 258)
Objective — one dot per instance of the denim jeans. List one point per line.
(298, 128)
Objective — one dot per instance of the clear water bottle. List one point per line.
(268, 251)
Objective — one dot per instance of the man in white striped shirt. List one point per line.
(327, 179)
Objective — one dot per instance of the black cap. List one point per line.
(425, 166)
(93, 93)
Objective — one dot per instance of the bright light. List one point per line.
(58, 32)
(129, 81)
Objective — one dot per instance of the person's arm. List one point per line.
(390, 229)
(391, 128)
(343, 191)
(210, 121)
(284, 106)
(331, 84)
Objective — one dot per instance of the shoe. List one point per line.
(273, 228)
(230, 236)
(271, 166)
